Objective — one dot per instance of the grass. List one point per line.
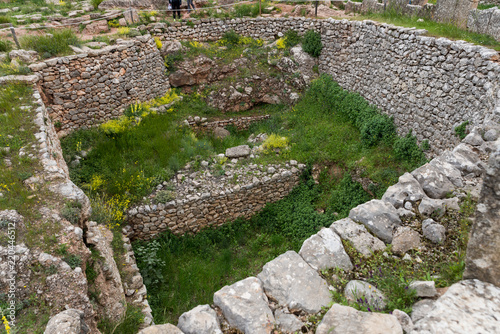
(434, 28)
(129, 324)
(50, 46)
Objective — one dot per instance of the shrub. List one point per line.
(164, 196)
(312, 43)
(49, 46)
(230, 38)
(149, 262)
(242, 10)
(95, 3)
(380, 127)
(461, 130)
(406, 149)
(158, 43)
(116, 126)
(5, 46)
(4, 19)
(73, 260)
(113, 23)
(126, 30)
(347, 195)
(71, 212)
(280, 43)
(274, 142)
(292, 38)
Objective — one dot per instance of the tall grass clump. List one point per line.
(50, 46)
(5, 46)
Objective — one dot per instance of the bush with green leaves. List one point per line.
(5, 46)
(292, 38)
(95, 3)
(149, 262)
(56, 44)
(312, 43)
(164, 196)
(230, 38)
(347, 195)
(376, 129)
(71, 212)
(73, 260)
(406, 149)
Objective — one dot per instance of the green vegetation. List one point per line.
(461, 130)
(5, 46)
(312, 43)
(483, 6)
(292, 38)
(95, 3)
(49, 46)
(434, 29)
(130, 323)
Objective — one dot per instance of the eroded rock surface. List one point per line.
(378, 216)
(347, 320)
(469, 306)
(293, 283)
(358, 235)
(245, 306)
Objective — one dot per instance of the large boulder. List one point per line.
(288, 322)
(200, 320)
(421, 308)
(483, 251)
(161, 329)
(324, 250)
(241, 151)
(470, 306)
(293, 283)
(407, 189)
(460, 162)
(378, 216)
(347, 320)
(245, 306)
(435, 184)
(68, 321)
(358, 236)
(452, 173)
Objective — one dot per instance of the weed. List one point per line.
(95, 3)
(5, 46)
(461, 130)
(292, 38)
(130, 323)
(72, 260)
(71, 212)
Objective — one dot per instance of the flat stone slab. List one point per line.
(200, 320)
(161, 329)
(347, 320)
(324, 250)
(293, 283)
(469, 306)
(378, 216)
(245, 306)
(358, 235)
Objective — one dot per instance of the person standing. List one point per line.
(176, 7)
(190, 5)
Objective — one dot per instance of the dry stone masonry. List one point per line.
(290, 284)
(87, 89)
(204, 198)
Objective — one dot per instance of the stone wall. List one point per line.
(87, 89)
(485, 22)
(211, 29)
(204, 200)
(198, 124)
(429, 85)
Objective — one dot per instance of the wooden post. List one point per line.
(14, 36)
(316, 8)
(260, 7)
(131, 15)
